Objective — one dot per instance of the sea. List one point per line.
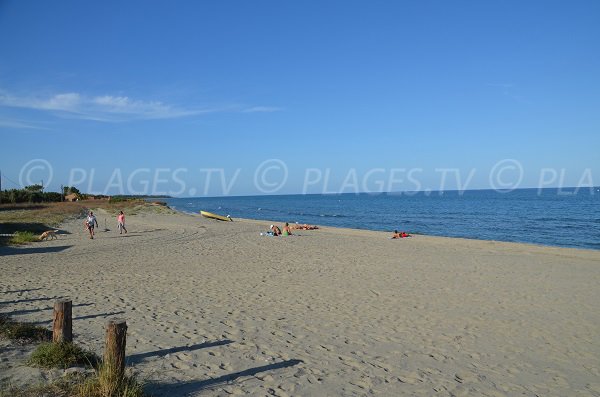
(566, 217)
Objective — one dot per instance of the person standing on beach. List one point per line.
(121, 222)
(90, 222)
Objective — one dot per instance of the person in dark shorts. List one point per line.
(90, 222)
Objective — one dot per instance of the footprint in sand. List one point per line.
(181, 365)
(462, 377)
(362, 383)
(225, 367)
(410, 378)
(183, 356)
(265, 377)
(350, 362)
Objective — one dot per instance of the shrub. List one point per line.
(61, 355)
(96, 385)
(23, 332)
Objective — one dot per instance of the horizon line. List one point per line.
(389, 192)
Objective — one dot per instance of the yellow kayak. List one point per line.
(215, 216)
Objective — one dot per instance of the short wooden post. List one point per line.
(114, 351)
(62, 324)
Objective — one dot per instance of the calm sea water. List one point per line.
(565, 217)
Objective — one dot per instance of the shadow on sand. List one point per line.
(21, 312)
(26, 300)
(123, 236)
(5, 251)
(136, 358)
(81, 317)
(35, 227)
(18, 291)
(192, 387)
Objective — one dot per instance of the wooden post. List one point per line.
(62, 325)
(114, 351)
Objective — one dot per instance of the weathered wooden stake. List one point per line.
(62, 324)
(114, 351)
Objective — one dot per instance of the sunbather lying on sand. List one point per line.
(400, 234)
(305, 227)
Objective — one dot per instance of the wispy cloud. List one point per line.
(66, 102)
(110, 108)
(18, 124)
(263, 109)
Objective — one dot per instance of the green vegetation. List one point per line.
(23, 238)
(61, 355)
(104, 384)
(97, 385)
(118, 199)
(34, 219)
(38, 218)
(35, 194)
(61, 388)
(29, 194)
(71, 190)
(22, 332)
(78, 385)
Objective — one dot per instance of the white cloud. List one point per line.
(67, 102)
(110, 108)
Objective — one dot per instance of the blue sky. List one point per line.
(342, 87)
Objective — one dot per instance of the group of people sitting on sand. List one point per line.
(274, 230)
(287, 230)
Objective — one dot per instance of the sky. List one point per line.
(194, 98)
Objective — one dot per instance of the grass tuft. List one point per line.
(61, 355)
(105, 384)
(21, 238)
(58, 389)
(22, 332)
(100, 384)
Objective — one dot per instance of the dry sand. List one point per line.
(213, 308)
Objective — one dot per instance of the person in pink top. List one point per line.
(121, 222)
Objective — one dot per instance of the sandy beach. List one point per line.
(214, 309)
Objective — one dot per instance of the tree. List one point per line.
(34, 188)
(71, 189)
